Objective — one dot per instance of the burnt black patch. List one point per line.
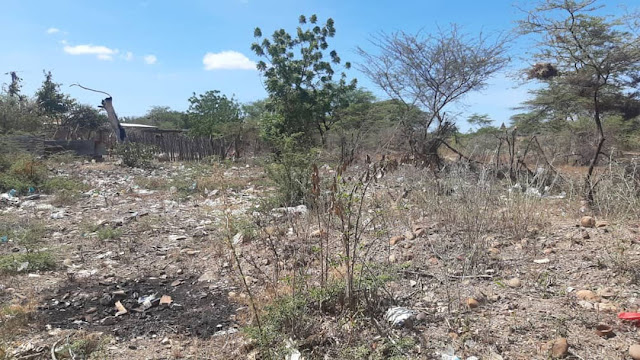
(91, 305)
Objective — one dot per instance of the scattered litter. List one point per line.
(226, 332)
(533, 192)
(23, 266)
(295, 354)
(449, 354)
(541, 261)
(146, 302)
(58, 214)
(4, 238)
(237, 239)
(166, 300)
(121, 310)
(397, 316)
(144, 192)
(630, 316)
(293, 210)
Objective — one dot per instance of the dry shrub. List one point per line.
(618, 191)
(470, 207)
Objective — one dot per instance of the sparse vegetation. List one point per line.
(29, 262)
(107, 233)
(334, 221)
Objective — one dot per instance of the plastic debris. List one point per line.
(294, 354)
(23, 266)
(58, 214)
(449, 354)
(121, 309)
(166, 300)
(293, 210)
(4, 238)
(147, 301)
(631, 316)
(397, 316)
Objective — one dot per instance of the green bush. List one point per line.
(291, 174)
(135, 154)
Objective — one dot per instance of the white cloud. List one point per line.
(101, 52)
(128, 56)
(150, 59)
(53, 30)
(227, 60)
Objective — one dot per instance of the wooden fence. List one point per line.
(177, 146)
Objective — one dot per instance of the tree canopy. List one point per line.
(299, 78)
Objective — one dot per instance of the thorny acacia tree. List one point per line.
(590, 56)
(432, 71)
(300, 80)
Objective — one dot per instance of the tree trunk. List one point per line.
(588, 187)
(107, 105)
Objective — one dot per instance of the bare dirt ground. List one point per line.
(157, 234)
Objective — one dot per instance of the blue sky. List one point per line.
(158, 52)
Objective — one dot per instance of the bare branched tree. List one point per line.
(432, 71)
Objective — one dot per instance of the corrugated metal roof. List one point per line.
(130, 125)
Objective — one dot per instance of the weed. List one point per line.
(35, 261)
(27, 234)
(61, 183)
(21, 173)
(63, 157)
(109, 233)
(13, 320)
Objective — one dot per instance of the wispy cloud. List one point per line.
(150, 59)
(53, 30)
(127, 56)
(227, 60)
(101, 52)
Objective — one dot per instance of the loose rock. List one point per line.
(588, 222)
(560, 348)
(586, 295)
(634, 351)
(514, 283)
(395, 239)
(472, 303)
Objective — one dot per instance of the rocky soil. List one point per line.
(149, 272)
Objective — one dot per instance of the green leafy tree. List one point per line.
(299, 78)
(84, 118)
(590, 57)
(212, 114)
(51, 101)
(165, 118)
(15, 86)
